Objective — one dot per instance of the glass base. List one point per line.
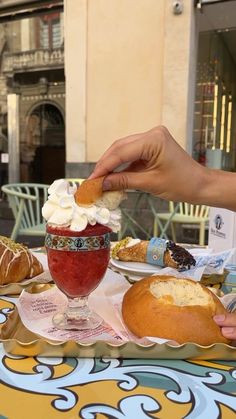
(77, 318)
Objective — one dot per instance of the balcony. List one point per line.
(40, 59)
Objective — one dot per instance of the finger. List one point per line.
(120, 143)
(229, 332)
(226, 320)
(126, 180)
(137, 166)
(114, 149)
(131, 152)
(107, 165)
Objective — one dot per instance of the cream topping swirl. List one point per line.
(61, 209)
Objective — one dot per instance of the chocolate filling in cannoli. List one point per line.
(181, 256)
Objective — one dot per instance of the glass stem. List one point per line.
(78, 308)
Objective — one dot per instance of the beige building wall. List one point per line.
(179, 67)
(128, 66)
(124, 70)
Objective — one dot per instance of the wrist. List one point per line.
(218, 188)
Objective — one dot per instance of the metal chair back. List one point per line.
(184, 214)
(190, 210)
(26, 201)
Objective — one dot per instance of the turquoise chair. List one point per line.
(26, 201)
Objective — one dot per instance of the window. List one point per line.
(50, 34)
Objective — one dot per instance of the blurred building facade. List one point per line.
(78, 74)
(32, 100)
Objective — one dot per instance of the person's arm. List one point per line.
(157, 164)
(220, 190)
(227, 324)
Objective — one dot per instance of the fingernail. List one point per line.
(228, 330)
(219, 318)
(106, 186)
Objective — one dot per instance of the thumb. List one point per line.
(122, 180)
(228, 319)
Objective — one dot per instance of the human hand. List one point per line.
(156, 164)
(228, 325)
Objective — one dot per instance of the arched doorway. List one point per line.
(43, 149)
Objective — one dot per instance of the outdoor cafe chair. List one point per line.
(184, 214)
(75, 180)
(26, 201)
(138, 220)
(136, 217)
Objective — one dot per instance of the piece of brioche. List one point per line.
(175, 256)
(89, 191)
(176, 309)
(111, 199)
(16, 262)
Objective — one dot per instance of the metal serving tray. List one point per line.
(17, 340)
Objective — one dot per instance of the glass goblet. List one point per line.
(77, 261)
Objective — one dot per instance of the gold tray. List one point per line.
(17, 287)
(17, 340)
(214, 279)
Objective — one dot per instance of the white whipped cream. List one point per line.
(61, 209)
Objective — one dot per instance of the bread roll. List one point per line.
(177, 309)
(16, 262)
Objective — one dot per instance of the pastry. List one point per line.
(173, 308)
(156, 251)
(16, 262)
(90, 193)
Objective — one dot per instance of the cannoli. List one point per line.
(157, 251)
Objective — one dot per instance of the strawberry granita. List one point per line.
(78, 260)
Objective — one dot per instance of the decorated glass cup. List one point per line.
(77, 261)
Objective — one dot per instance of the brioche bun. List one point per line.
(176, 309)
(111, 199)
(89, 191)
(16, 262)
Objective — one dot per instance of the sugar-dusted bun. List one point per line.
(89, 191)
(16, 262)
(177, 309)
